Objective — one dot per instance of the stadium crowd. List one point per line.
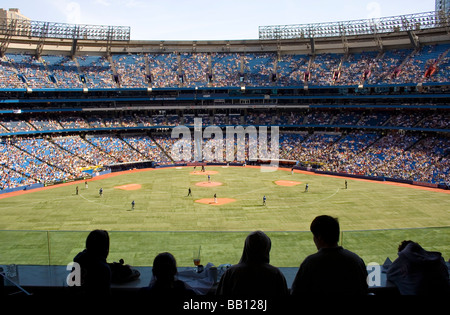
(410, 156)
(394, 154)
(10, 124)
(225, 69)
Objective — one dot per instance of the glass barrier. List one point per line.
(140, 248)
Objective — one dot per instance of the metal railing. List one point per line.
(10, 278)
(410, 22)
(139, 248)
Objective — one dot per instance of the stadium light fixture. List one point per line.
(356, 27)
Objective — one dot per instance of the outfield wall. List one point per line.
(151, 164)
(382, 178)
(42, 185)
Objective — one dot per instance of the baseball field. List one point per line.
(49, 225)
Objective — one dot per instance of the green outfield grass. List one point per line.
(50, 226)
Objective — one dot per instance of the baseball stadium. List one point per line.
(173, 146)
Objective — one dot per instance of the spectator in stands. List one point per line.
(95, 272)
(253, 275)
(333, 270)
(417, 271)
(164, 282)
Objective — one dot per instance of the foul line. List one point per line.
(96, 202)
(316, 201)
(249, 192)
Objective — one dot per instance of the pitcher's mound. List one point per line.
(129, 187)
(204, 173)
(208, 184)
(220, 201)
(287, 183)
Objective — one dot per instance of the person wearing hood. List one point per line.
(95, 271)
(253, 275)
(419, 272)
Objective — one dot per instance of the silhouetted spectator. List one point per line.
(417, 271)
(95, 272)
(253, 275)
(164, 282)
(333, 270)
